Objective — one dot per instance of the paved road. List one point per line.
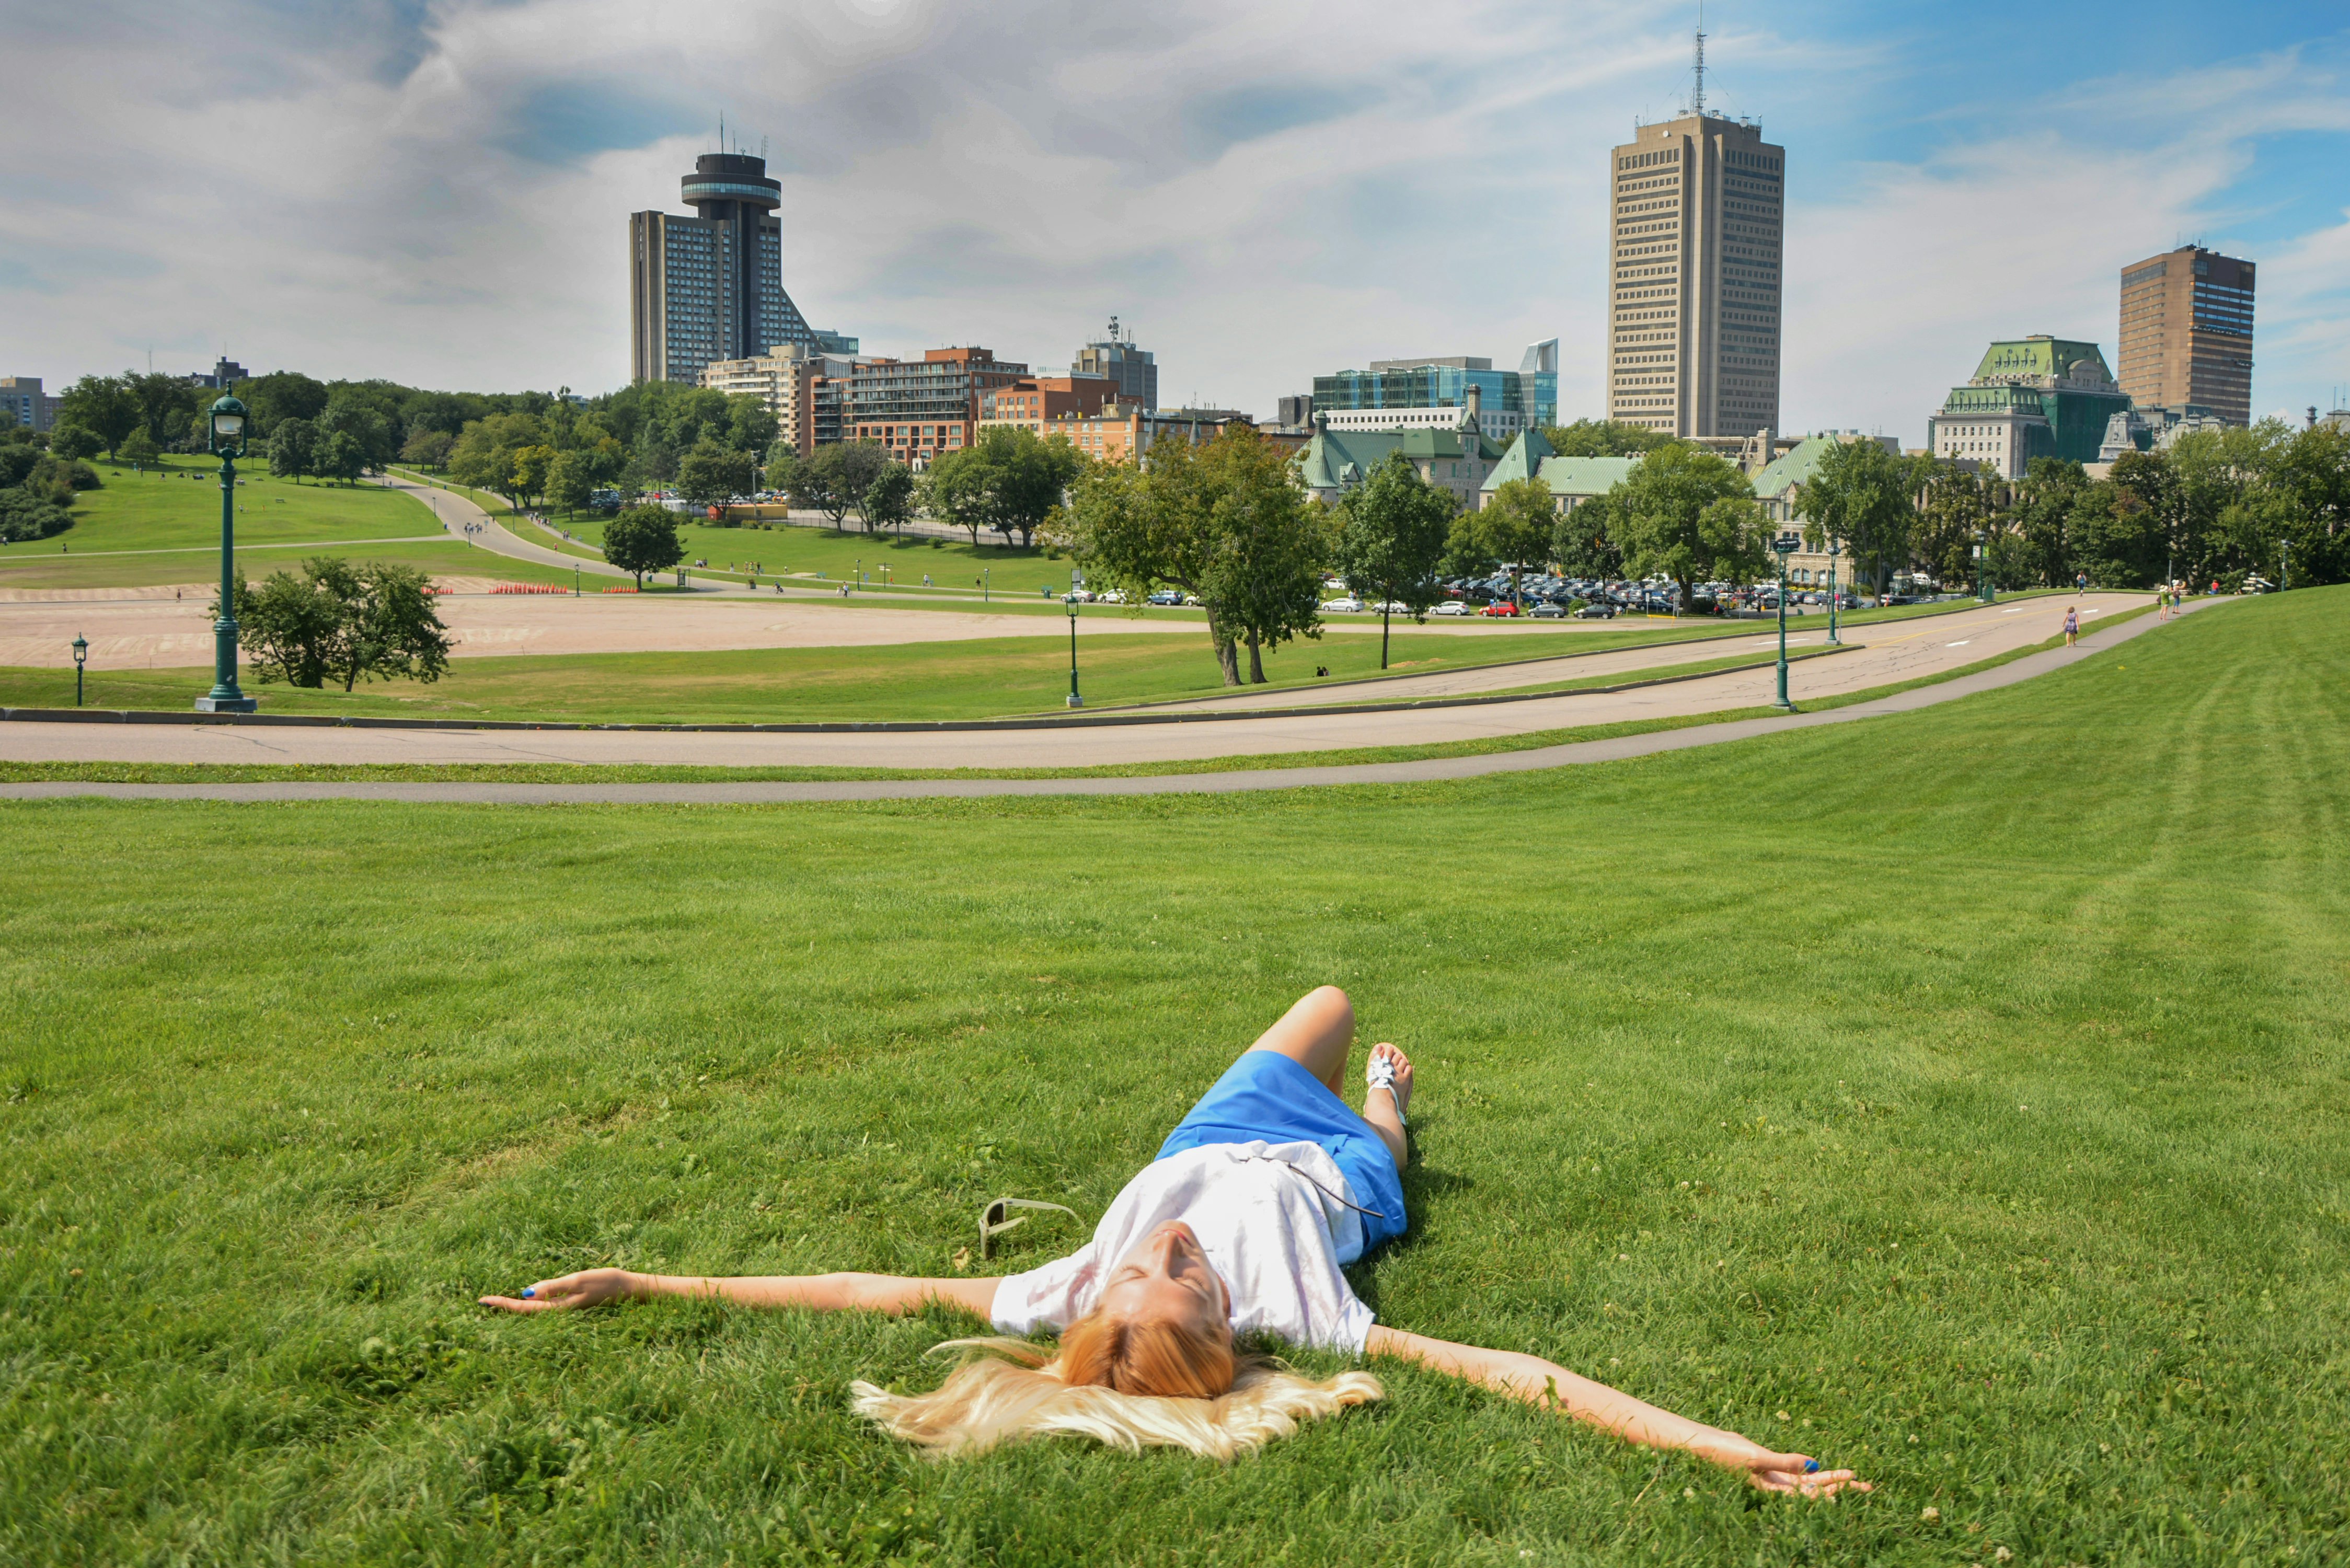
(1438, 769)
(1089, 742)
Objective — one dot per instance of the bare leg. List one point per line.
(1316, 1033)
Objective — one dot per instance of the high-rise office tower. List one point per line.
(711, 287)
(1134, 371)
(2187, 333)
(1696, 230)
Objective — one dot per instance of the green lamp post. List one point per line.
(1784, 547)
(81, 657)
(1075, 700)
(227, 421)
(1835, 594)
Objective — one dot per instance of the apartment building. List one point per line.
(1033, 402)
(921, 408)
(22, 402)
(792, 381)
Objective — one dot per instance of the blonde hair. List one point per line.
(1009, 1389)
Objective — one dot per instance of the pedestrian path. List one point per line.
(251, 745)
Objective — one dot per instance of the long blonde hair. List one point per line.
(1010, 1388)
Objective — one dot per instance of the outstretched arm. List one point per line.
(825, 1292)
(1544, 1383)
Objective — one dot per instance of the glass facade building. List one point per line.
(1532, 394)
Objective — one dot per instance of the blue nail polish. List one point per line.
(530, 1293)
(1809, 1464)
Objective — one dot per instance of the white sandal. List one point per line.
(1381, 1074)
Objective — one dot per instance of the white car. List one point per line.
(1078, 596)
(1450, 607)
(1112, 596)
(1392, 606)
(1343, 607)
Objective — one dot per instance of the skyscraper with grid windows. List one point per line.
(2187, 333)
(1697, 212)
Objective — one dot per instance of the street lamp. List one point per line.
(81, 657)
(228, 440)
(1784, 547)
(1075, 700)
(1835, 549)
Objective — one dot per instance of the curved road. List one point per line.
(1948, 643)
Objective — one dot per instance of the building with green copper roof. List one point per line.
(1454, 461)
(2029, 397)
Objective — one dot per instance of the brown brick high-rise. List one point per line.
(2187, 333)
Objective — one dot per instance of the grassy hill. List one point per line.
(1958, 1095)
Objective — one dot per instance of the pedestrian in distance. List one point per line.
(1241, 1224)
(2071, 625)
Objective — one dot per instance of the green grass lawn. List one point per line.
(980, 678)
(163, 527)
(1958, 1097)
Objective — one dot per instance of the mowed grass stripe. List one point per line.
(2000, 1047)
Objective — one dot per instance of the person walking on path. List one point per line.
(1242, 1224)
(2071, 625)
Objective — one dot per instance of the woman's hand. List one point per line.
(590, 1287)
(1770, 1471)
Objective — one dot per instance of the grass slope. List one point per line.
(163, 527)
(1959, 1095)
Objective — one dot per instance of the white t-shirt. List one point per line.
(1273, 1219)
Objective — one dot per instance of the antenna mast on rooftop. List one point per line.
(1696, 97)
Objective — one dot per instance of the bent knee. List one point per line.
(1329, 998)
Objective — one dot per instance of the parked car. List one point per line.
(1549, 609)
(1453, 607)
(1165, 598)
(1500, 607)
(1597, 610)
(1391, 606)
(1078, 596)
(1347, 606)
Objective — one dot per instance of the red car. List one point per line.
(1499, 606)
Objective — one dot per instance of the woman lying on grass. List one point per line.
(1264, 1190)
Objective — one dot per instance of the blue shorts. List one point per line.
(1268, 1096)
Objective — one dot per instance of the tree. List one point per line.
(1513, 528)
(531, 466)
(1008, 481)
(570, 479)
(165, 403)
(710, 474)
(955, 490)
(340, 622)
(1268, 576)
(426, 447)
(339, 456)
(643, 539)
(138, 448)
(1224, 521)
(890, 498)
(1582, 539)
(292, 449)
(1604, 438)
(1391, 535)
(74, 441)
(1860, 493)
(1954, 511)
(281, 395)
(103, 405)
(1669, 520)
(836, 476)
(29, 514)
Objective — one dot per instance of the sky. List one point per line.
(436, 191)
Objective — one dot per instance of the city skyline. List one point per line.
(429, 196)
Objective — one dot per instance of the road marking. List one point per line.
(2017, 610)
(1960, 643)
